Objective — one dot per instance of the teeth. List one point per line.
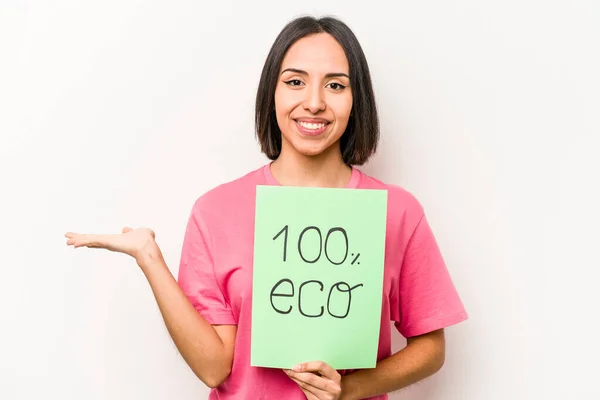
(311, 126)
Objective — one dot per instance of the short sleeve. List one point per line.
(428, 299)
(197, 277)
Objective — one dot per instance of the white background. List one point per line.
(118, 113)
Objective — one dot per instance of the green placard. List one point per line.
(318, 276)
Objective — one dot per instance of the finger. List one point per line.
(318, 383)
(72, 238)
(310, 391)
(318, 366)
(127, 229)
(86, 240)
(76, 240)
(93, 241)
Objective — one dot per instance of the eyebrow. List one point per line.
(329, 75)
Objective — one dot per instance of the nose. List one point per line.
(314, 101)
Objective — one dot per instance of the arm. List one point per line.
(426, 301)
(423, 356)
(207, 349)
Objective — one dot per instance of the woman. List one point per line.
(316, 120)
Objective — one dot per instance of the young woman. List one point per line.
(316, 120)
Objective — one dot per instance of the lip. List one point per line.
(312, 132)
(313, 120)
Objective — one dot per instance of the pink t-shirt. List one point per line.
(215, 273)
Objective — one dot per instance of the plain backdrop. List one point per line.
(117, 113)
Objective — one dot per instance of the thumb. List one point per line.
(127, 229)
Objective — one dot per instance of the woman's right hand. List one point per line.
(138, 243)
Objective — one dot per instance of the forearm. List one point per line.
(421, 358)
(196, 339)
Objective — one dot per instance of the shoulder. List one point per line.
(401, 202)
(230, 194)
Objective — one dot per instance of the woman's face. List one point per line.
(313, 98)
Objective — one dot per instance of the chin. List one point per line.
(311, 151)
(309, 146)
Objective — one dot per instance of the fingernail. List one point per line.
(297, 367)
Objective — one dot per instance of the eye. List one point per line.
(337, 86)
(294, 82)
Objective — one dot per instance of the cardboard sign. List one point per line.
(318, 276)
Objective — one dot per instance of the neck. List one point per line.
(324, 170)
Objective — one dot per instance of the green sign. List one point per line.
(318, 276)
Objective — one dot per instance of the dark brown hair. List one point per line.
(360, 139)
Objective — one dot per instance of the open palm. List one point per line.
(135, 242)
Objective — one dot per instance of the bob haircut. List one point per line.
(359, 141)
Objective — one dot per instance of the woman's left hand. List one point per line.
(318, 380)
